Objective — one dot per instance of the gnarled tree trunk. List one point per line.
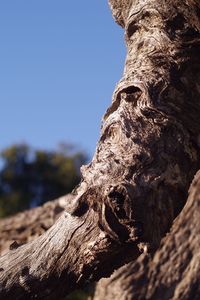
(174, 271)
(147, 155)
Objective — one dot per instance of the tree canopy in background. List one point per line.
(31, 177)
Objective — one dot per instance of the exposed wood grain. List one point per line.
(71, 253)
(146, 158)
(30, 224)
(174, 271)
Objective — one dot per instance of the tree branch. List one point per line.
(146, 158)
(71, 253)
(30, 224)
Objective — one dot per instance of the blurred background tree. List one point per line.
(30, 177)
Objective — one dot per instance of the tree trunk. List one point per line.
(174, 271)
(147, 155)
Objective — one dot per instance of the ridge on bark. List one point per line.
(145, 160)
(173, 272)
(28, 225)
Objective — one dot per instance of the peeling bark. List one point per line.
(146, 157)
(174, 271)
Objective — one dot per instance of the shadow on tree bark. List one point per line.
(174, 270)
(138, 180)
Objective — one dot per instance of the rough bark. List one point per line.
(71, 253)
(28, 225)
(174, 271)
(146, 158)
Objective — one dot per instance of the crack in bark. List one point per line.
(148, 152)
(68, 243)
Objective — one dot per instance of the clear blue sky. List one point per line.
(59, 63)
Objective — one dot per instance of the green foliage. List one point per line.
(84, 294)
(78, 295)
(29, 178)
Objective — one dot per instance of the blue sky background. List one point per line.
(59, 63)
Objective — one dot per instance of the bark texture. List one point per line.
(149, 148)
(146, 157)
(73, 252)
(174, 271)
(28, 225)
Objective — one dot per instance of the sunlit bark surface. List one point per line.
(173, 272)
(145, 160)
(30, 224)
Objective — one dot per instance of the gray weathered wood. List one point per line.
(174, 271)
(28, 225)
(71, 253)
(146, 158)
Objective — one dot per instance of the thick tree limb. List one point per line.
(174, 271)
(60, 260)
(146, 158)
(28, 225)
